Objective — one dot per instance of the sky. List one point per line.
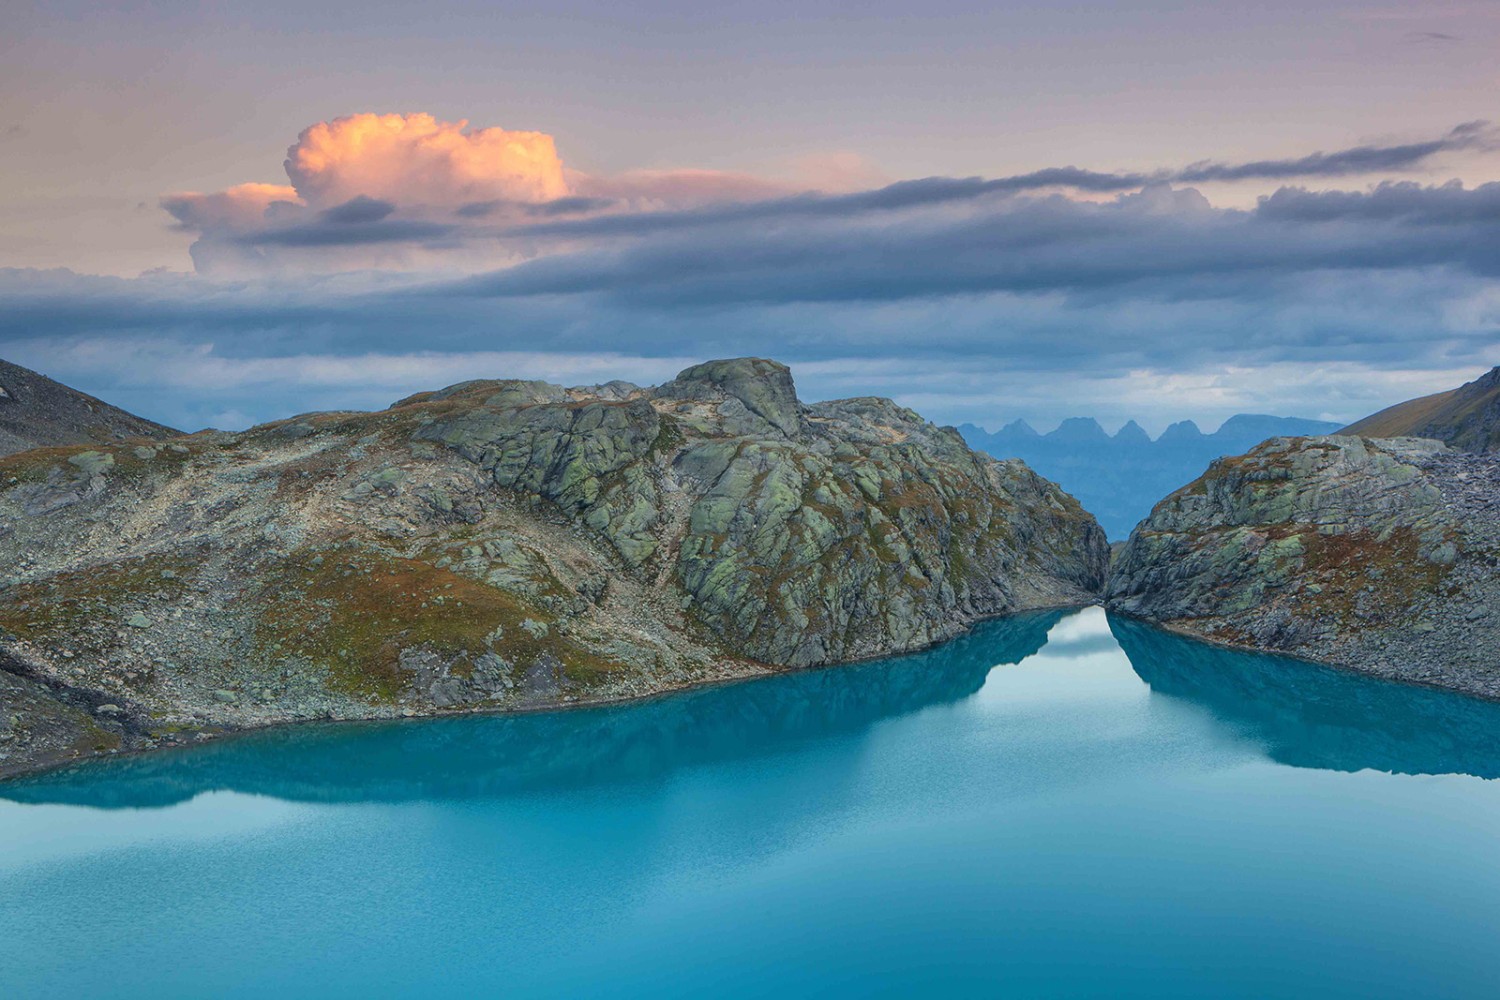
(220, 214)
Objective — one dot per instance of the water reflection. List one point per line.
(482, 756)
(1307, 715)
(1299, 713)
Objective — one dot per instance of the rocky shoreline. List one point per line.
(75, 738)
(1379, 556)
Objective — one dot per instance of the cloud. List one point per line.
(1449, 204)
(1163, 239)
(184, 349)
(644, 190)
(971, 298)
(417, 158)
(360, 208)
(932, 192)
(1367, 159)
(410, 191)
(926, 192)
(373, 190)
(351, 231)
(571, 205)
(243, 206)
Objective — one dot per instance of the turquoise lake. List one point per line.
(1057, 805)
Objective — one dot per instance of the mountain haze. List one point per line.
(1118, 478)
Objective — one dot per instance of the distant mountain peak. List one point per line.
(1182, 430)
(1079, 429)
(1019, 428)
(1263, 425)
(1118, 478)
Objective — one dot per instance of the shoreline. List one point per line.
(757, 671)
(1348, 667)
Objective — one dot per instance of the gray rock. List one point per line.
(1370, 554)
(93, 463)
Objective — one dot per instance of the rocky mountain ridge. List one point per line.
(1466, 418)
(36, 412)
(501, 545)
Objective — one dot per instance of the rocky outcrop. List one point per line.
(506, 545)
(36, 412)
(1378, 555)
(1466, 418)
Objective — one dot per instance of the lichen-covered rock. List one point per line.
(797, 535)
(507, 544)
(1379, 555)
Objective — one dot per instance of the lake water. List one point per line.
(1058, 805)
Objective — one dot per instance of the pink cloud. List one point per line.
(418, 159)
(408, 190)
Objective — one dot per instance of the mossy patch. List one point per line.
(65, 604)
(1356, 566)
(120, 461)
(354, 611)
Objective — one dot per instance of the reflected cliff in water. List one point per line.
(1307, 715)
(486, 756)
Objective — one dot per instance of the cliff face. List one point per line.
(1466, 418)
(509, 545)
(36, 412)
(1379, 555)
